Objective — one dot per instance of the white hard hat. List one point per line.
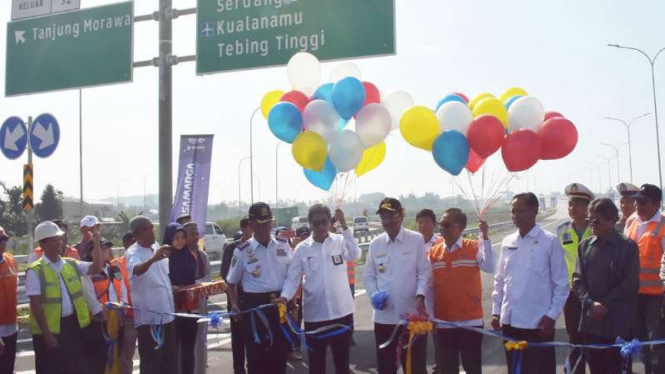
(89, 221)
(47, 230)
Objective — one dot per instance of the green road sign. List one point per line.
(84, 48)
(241, 34)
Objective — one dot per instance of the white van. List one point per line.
(298, 222)
(215, 240)
(360, 224)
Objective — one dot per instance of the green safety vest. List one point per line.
(51, 299)
(570, 242)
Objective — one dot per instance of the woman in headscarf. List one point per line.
(182, 271)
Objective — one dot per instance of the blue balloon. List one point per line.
(323, 179)
(451, 151)
(348, 96)
(285, 121)
(510, 101)
(451, 97)
(324, 92)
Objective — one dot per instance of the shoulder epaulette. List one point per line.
(243, 245)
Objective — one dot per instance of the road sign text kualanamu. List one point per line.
(74, 29)
(310, 42)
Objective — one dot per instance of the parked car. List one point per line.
(215, 240)
(298, 222)
(360, 224)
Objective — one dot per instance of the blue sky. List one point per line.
(556, 50)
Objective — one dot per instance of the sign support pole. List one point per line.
(31, 212)
(165, 114)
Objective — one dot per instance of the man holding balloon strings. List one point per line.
(396, 277)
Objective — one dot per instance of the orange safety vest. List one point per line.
(351, 272)
(122, 264)
(456, 277)
(651, 251)
(102, 284)
(8, 290)
(71, 253)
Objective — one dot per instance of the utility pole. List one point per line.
(165, 114)
(81, 149)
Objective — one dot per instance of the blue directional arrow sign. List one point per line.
(44, 135)
(13, 138)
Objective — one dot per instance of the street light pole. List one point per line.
(258, 185)
(277, 175)
(616, 153)
(652, 61)
(251, 154)
(609, 172)
(239, 188)
(630, 144)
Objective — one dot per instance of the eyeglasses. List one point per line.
(447, 225)
(320, 222)
(593, 221)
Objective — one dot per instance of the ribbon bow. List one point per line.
(282, 313)
(516, 346)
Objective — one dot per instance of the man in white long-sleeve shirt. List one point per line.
(397, 264)
(327, 297)
(530, 286)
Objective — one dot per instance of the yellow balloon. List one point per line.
(479, 98)
(492, 107)
(269, 100)
(372, 158)
(419, 127)
(513, 91)
(310, 150)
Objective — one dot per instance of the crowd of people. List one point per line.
(602, 270)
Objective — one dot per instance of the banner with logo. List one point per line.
(191, 195)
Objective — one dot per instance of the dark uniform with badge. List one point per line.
(262, 269)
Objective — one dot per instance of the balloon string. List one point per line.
(475, 198)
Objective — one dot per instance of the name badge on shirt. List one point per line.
(281, 253)
(252, 260)
(381, 255)
(512, 248)
(337, 260)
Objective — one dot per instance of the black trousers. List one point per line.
(603, 361)
(66, 357)
(158, 361)
(453, 343)
(95, 347)
(649, 326)
(387, 357)
(540, 360)
(572, 313)
(238, 342)
(263, 358)
(7, 359)
(339, 345)
(185, 335)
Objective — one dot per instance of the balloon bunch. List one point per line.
(463, 133)
(315, 119)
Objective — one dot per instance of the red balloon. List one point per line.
(462, 96)
(372, 94)
(521, 150)
(485, 135)
(296, 98)
(475, 162)
(552, 114)
(558, 137)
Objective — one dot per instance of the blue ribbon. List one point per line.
(157, 332)
(215, 320)
(518, 356)
(379, 300)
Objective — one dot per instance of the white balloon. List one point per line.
(373, 124)
(526, 113)
(346, 151)
(454, 115)
(396, 103)
(320, 117)
(304, 72)
(343, 70)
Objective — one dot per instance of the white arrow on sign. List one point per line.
(45, 134)
(20, 36)
(12, 136)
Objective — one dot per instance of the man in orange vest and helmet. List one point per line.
(8, 295)
(647, 230)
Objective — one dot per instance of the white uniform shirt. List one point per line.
(33, 286)
(259, 268)
(151, 291)
(7, 330)
(485, 258)
(531, 279)
(327, 295)
(401, 269)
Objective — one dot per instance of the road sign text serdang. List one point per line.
(240, 34)
(82, 48)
